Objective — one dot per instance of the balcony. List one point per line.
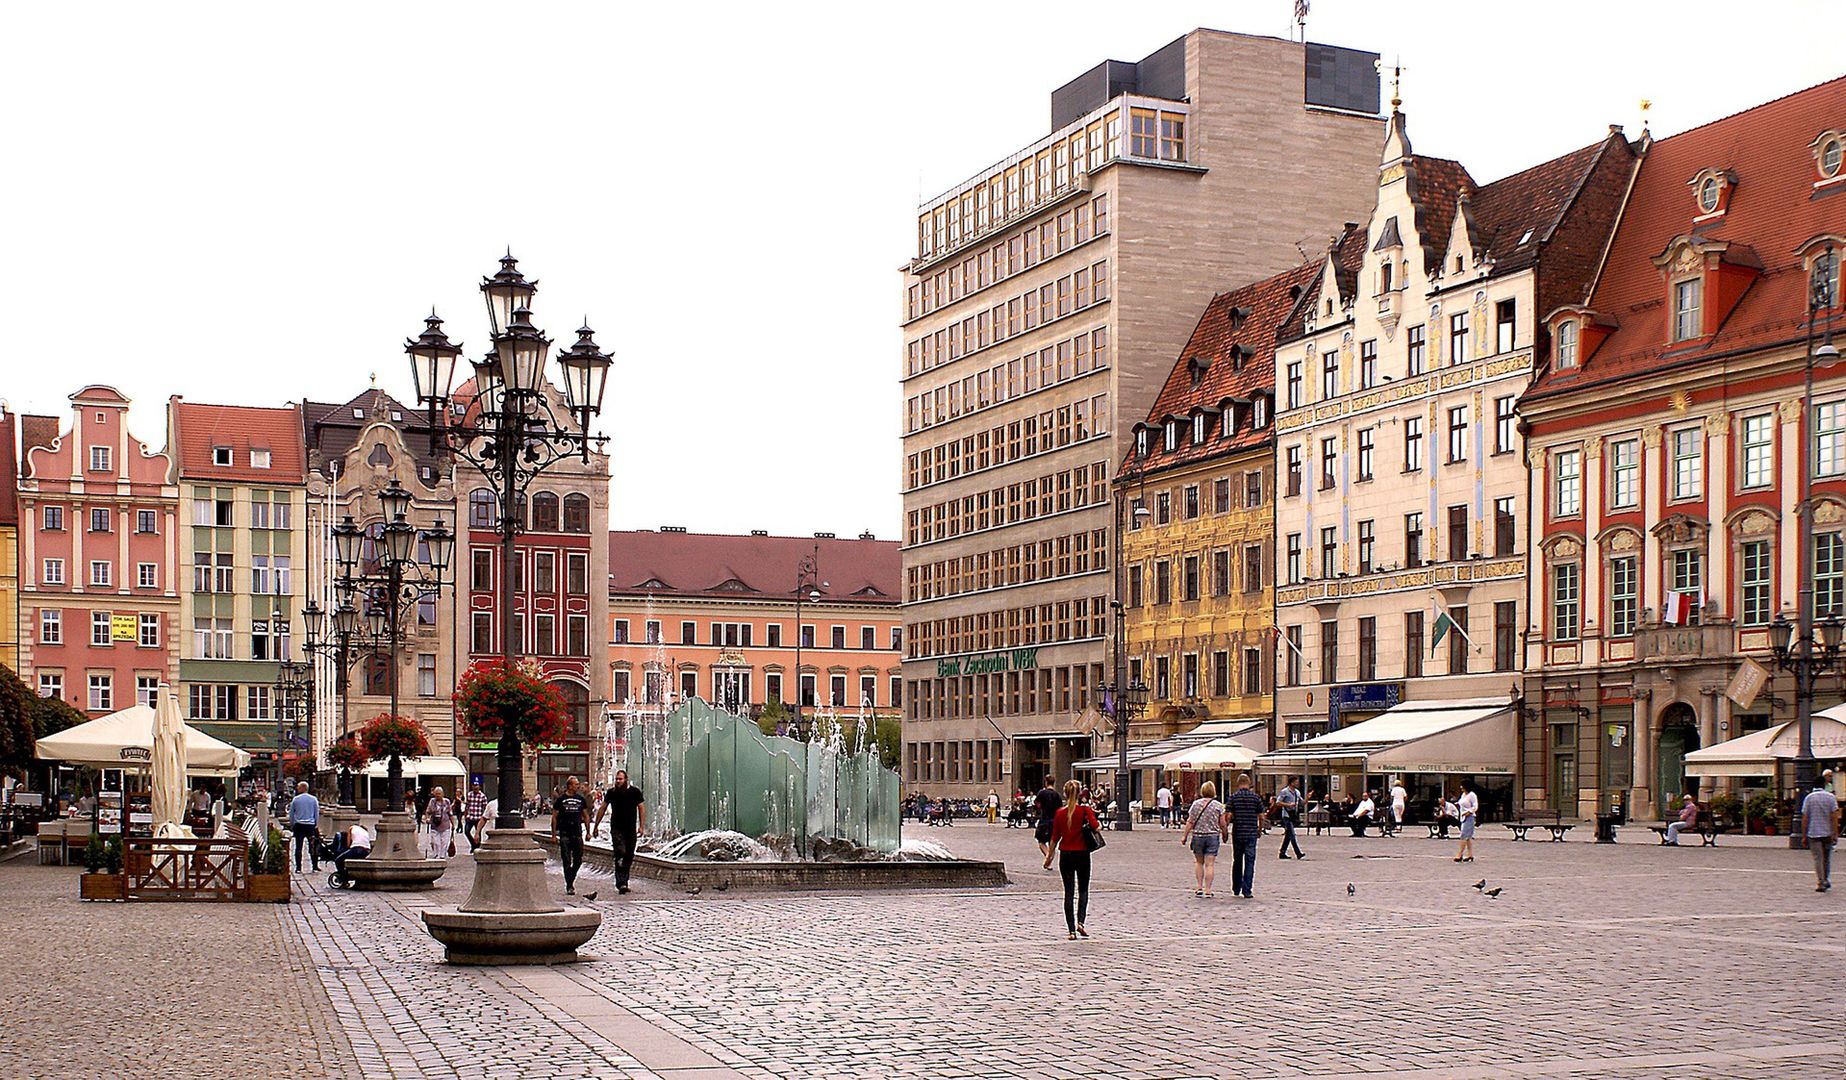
(1686, 644)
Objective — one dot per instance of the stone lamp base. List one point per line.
(510, 916)
(396, 863)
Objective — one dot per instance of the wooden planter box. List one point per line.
(268, 889)
(102, 887)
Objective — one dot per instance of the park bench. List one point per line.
(1707, 829)
(1438, 826)
(1317, 821)
(1551, 821)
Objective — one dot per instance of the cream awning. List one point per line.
(1473, 736)
(1225, 753)
(435, 765)
(1251, 733)
(125, 740)
(1759, 752)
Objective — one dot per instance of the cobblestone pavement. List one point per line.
(1627, 961)
(194, 990)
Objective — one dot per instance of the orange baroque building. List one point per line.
(716, 617)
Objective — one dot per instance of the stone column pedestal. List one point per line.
(396, 862)
(510, 916)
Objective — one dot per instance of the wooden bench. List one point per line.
(1703, 825)
(1550, 820)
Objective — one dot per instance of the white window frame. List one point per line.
(1567, 483)
(1625, 474)
(1686, 462)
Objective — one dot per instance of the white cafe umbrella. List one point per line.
(168, 768)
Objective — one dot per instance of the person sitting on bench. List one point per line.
(1361, 816)
(1446, 815)
(1688, 817)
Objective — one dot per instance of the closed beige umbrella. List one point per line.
(168, 768)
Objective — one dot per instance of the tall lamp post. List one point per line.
(1126, 700)
(512, 431)
(1796, 648)
(339, 636)
(294, 701)
(405, 564)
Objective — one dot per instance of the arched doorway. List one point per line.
(1679, 736)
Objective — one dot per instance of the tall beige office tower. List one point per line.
(1048, 297)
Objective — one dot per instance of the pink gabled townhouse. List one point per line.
(98, 531)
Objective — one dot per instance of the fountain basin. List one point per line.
(495, 938)
(796, 874)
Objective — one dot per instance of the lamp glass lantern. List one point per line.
(346, 620)
(395, 500)
(586, 373)
(432, 362)
(439, 543)
(400, 541)
(1830, 634)
(523, 351)
(346, 540)
(377, 619)
(1781, 633)
(506, 292)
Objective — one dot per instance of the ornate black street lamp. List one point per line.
(293, 696)
(511, 433)
(378, 587)
(1796, 649)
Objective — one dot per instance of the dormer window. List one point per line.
(1688, 305)
(1711, 190)
(1829, 148)
(1259, 412)
(1198, 429)
(1171, 443)
(1140, 442)
(1567, 345)
(1227, 422)
(1824, 280)
(259, 459)
(221, 455)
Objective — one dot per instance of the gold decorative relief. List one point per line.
(1650, 438)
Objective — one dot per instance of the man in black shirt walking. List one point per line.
(626, 816)
(568, 812)
(1246, 808)
(1048, 801)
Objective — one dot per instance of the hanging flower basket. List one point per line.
(385, 735)
(494, 697)
(346, 753)
(303, 768)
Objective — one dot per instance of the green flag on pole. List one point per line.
(1443, 625)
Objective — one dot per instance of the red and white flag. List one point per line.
(1679, 606)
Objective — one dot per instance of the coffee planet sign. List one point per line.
(988, 663)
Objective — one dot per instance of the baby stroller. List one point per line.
(329, 850)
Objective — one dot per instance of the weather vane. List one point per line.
(1397, 79)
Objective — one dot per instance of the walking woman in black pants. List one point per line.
(1073, 856)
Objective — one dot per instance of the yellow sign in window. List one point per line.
(124, 627)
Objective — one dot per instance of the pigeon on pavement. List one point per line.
(1493, 893)
(695, 890)
(1479, 885)
(1351, 889)
(589, 896)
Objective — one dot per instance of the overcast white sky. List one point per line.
(258, 202)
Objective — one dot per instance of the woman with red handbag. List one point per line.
(1075, 832)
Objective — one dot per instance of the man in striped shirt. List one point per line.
(1246, 808)
(474, 809)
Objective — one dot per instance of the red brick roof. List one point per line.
(1512, 218)
(1774, 209)
(751, 567)
(1436, 184)
(198, 429)
(1230, 358)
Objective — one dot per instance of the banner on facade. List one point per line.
(124, 627)
(1749, 681)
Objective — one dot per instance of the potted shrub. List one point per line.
(1761, 812)
(102, 864)
(269, 882)
(1726, 810)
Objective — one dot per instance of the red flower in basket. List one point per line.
(346, 753)
(385, 735)
(494, 697)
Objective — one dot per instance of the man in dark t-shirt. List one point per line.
(627, 814)
(1048, 801)
(568, 812)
